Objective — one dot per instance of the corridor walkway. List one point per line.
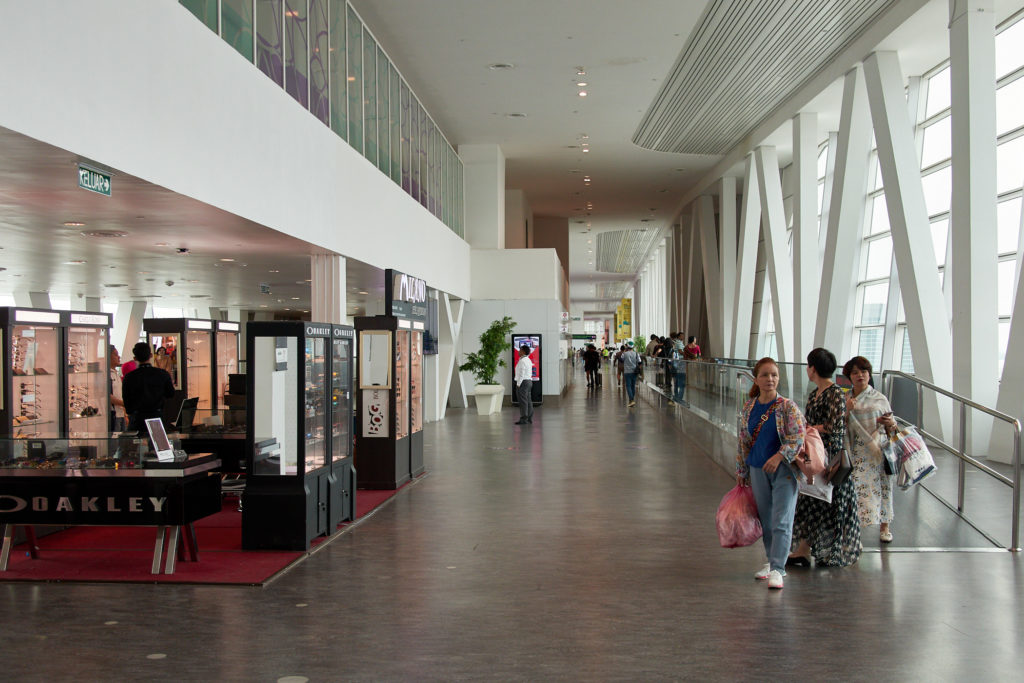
(581, 548)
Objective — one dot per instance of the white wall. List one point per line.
(516, 274)
(155, 94)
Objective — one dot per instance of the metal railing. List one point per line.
(960, 450)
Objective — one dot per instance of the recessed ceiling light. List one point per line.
(192, 281)
(143, 272)
(580, 71)
(583, 93)
(263, 306)
(76, 262)
(73, 224)
(501, 66)
(160, 244)
(295, 298)
(585, 150)
(273, 271)
(582, 84)
(362, 292)
(227, 260)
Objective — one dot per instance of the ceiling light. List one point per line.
(580, 71)
(76, 262)
(295, 298)
(351, 79)
(585, 150)
(263, 306)
(160, 244)
(73, 224)
(227, 260)
(273, 271)
(583, 93)
(362, 292)
(582, 84)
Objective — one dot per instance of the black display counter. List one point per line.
(167, 495)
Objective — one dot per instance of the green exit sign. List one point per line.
(94, 181)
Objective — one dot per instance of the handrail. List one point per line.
(961, 452)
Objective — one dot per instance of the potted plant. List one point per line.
(484, 365)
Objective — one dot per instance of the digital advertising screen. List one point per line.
(533, 341)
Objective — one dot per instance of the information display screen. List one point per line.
(533, 341)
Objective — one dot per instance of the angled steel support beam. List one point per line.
(746, 261)
(712, 277)
(727, 261)
(776, 253)
(805, 232)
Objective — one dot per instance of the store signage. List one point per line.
(344, 332)
(314, 331)
(36, 317)
(200, 324)
(565, 316)
(84, 504)
(404, 295)
(230, 327)
(588, 337)
(93, 180)
(89, 319)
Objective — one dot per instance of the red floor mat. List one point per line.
(125, 554)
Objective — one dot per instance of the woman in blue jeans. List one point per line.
(771, 433)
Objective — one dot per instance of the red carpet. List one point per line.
(125, 554)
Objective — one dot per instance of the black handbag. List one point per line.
(839, 468)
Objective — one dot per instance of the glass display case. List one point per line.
(226, 346)
(80, 453)
(185, 347)
(88, 373)
(401, 413)
(415, 381)
(33, 405)
(342, 483)
(296, 385)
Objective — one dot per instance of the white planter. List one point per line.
(488, 398)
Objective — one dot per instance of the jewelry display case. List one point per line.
(33, 404)
(88, 373)
(226, 352)
(293, 492)
(186, 348)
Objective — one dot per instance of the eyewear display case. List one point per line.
(299, 481)
(56, 373)
(389, 441)
(199, 354)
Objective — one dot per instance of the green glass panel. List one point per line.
(354, 50)
(339, 81)
(383, 131)
(236, 26)
(406, 139)
(205, 11)
(370, 98)
(318, 60)
(296, 64)
(396, 125)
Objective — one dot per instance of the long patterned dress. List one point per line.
(832, 529)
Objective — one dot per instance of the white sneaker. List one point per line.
(775, 579)
(631, 404)
(762, 573)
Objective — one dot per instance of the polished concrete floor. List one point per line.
(581, 548)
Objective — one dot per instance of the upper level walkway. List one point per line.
(581, 547)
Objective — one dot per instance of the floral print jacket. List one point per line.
(789, 422)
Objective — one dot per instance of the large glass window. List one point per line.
(938, 142)
(205, 11)
(383, 131)
(1010, 49)
(296, 63)
(938, 188)
(270, 39)
(236, 25)
(879, 259)
(395, 107)
(1010, 165)
(1010, 106)
(406, 139)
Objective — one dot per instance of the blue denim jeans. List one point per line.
(775, 494)
(630, 384)
(680, 386)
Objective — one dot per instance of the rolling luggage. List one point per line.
(598, 380)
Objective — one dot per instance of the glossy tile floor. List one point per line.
(581, 548)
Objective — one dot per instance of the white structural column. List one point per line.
(712, 278)
(908, 220)
(773, 225)
(805, 232)
(450, 312)
(127, 327)
(32, 299)
(746, 261)
(484, 167)
(327, 290)
(845, 218)
(727, 260)
(695, 269)
(973, 210)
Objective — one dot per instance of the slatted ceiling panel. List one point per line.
(611, 290)
(623, 251)
(744, 59)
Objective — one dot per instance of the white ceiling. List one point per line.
(444, 49)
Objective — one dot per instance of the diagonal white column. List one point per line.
(695, 269)
(805, 232)
(930, 339)
(450, 312)
(845, 219)
(712, 280)
(776, 255)
(746, 261)
(727, 260)
(973, 220)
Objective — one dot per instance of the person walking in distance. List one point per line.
(524, 386)
(630, 368)
(591, 364)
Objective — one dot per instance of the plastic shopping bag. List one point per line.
(736, 519)
(915, 460)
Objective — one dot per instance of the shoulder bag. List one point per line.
(811, 458)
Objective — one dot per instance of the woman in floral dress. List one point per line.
(870, 418)
(830, 532)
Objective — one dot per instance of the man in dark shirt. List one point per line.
(144, 389)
